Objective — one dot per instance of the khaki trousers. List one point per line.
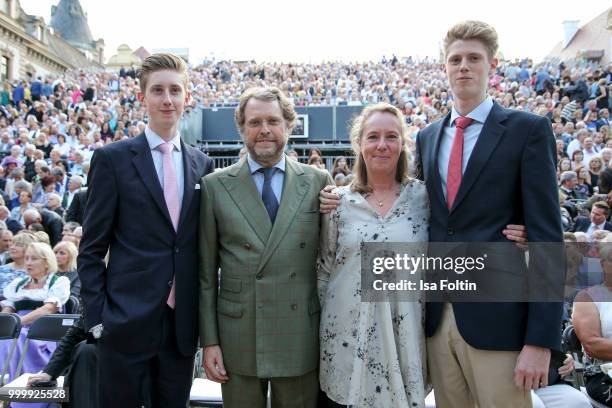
(243, 391)
(464, 377)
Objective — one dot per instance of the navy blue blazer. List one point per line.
(126, 214)
(510, 179)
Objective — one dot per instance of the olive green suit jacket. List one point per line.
(264, 312)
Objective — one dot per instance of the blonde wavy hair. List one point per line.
(360, 184)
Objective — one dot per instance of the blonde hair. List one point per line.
(24, 238)
(46, 253)
(605, 248)
(268, 94)
(596, 159)
(72, 251)
(473, 30)
(42, 236)
(360, 183)
(599, 235)
(160, 62)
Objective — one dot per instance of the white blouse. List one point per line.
(372, 353)
(602, 298)
(57, 294)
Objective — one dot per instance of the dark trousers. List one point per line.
(161, 379)
(82, 379)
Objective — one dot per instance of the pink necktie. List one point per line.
(172, 199)
(453, 178)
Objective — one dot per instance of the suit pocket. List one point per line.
(231, 285)
(228, 308)
(309, 216)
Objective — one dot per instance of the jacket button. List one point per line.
(247, 245)
(294, 306)
(292, 275)
(450, 231)
(303, 245)
(170, 283)
(176, 250)
(259, 276)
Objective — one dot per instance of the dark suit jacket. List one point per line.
(126, 214)
(510, 179)
(53, 225)
(77, 207)
(583, 223)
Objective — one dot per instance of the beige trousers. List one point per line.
(465, 377)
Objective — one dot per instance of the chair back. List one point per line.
(10, 327)
(51, 327)
(571, 342)
(73, 305)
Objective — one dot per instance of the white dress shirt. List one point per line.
(470, 137)
(593, 228)
(277, 178)
(154, 141)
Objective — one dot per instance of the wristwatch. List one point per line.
(96, 331)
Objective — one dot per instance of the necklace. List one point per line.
(381, 202)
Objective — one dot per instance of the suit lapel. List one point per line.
(143, 162)
(240, 186)
(490, 135)
(189, 179)
(434, 172)
(295, 186)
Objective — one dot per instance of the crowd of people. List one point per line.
(51, 129)
(104, 107)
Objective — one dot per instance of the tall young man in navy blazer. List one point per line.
(142, 306)
(492, 354)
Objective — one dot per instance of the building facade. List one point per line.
(29, 48)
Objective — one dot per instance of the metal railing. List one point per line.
(224, 161)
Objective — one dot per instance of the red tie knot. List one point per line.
(463, 122)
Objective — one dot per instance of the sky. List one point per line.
(319, 30)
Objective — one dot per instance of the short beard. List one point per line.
(268, 157)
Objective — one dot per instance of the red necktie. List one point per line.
(453, 178)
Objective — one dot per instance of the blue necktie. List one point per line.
(267, 195)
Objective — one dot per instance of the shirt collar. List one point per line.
(479, 114)
(254, 166)
(600, 226)
(154, 140)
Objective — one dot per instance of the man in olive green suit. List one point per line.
(259, 226)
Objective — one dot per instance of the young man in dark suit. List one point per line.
(142, 306)
(488, 354)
